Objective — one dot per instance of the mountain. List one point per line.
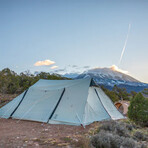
(109, 77)
(71, 75)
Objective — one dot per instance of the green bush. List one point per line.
(138, 110)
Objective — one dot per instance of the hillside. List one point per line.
(109, 77)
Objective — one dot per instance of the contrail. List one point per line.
(129, 27)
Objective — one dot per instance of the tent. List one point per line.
(72, 102)
(122, 106)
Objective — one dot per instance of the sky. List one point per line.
(74, 35)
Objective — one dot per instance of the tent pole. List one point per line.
(80, 121)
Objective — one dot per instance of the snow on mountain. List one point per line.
(110, 74)
(110, 77)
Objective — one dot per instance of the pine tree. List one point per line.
(138, 110)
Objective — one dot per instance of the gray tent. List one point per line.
(73, 102)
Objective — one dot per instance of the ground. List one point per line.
(20, 134)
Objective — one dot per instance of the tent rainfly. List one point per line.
(72, 102)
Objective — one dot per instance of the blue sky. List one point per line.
(74, 34)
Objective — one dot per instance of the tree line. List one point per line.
(11, 82)
(118, 93)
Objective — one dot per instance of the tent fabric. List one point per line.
(71, 107)
(7, 110)
(72, 102)
(94, 111)
(38, 107)
(108, 104)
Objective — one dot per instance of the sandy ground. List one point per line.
(14, 134)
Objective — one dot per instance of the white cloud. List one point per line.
(115, 68)
(44, 63)
(54, 67)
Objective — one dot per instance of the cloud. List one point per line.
(44, 63)
(54, 67)
(115, 68)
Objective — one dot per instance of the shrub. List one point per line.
(140, 136)
(109, 140)
(128, 143)
(118, 135)
(130, 127)
(138, 110)
(106, 140)
(119, 128)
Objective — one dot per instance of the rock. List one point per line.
(25, 144)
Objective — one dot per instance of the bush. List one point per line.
(109, 140)
(140, 136)
(106, 140)
(118, 128)
(128, 143)
(138, 110)
(117, 135)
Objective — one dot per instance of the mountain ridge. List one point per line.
(109, 77)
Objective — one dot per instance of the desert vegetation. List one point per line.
(120, 134)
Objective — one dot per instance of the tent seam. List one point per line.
(56, 106)
(19, 103)
(102, 103)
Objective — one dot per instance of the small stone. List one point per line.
(34, 138)
(24, 144)
(36, 144)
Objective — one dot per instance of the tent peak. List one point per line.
(93, 83)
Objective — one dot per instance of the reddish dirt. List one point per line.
(19, 134)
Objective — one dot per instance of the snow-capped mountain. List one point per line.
(110, 77)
